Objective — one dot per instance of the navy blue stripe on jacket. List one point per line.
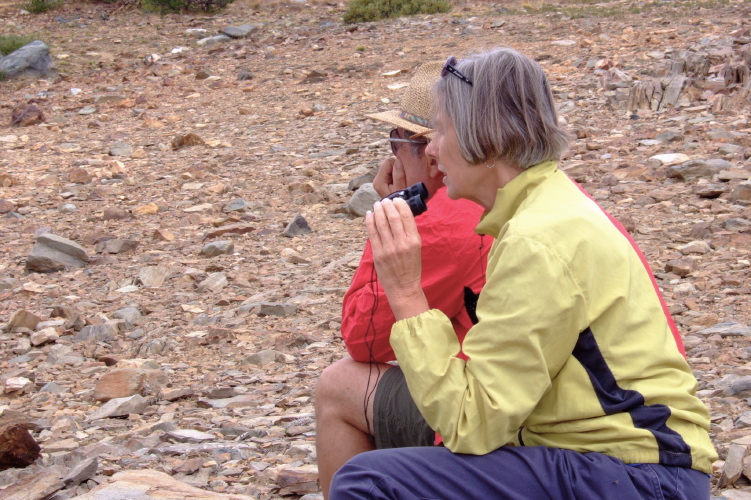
(672, 448)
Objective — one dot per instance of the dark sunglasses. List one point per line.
(450, 67)
(396, 140)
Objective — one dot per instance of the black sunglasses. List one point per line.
(395, 139)
(450, 67)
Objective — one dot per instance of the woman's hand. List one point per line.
(390, 177)
(397, 255)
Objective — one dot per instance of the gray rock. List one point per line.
(737, 224)
(270, 309)
(740, 174)
(43, 263)
(235, 205)
(108, 98)
(120, 407)
(153, 275)
(83, 471)
(240, 400)
(7, 283)
(239, 31)
(263, 358)
(720, 134)
(741, 387)
(298, 226)
(96, 333)
(214, 283)
(130, 315)
(701, 230)
(116, 246)
(741, 192)
(218, 248)
(196, 32)
(188, 436)
(358, 182)
(68, 208)
(30, 61)
(54, 388)
(695, 169)
(711, 190)
(119, 148)
(743, 420)
(23, 346)
(221, 392)
(669, 137)
(362, 200)
(58, 353)
(696, 247)
(213, 40)
(730, 149)
(64, 245)
(87, 110)
(53, 253)
(727, 329)
(154, 347)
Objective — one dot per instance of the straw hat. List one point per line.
(417, 103)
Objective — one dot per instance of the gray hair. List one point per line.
(507, 113)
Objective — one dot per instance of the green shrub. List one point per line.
(11, 43)
(3, 75)
(360, 11)
(39, 6)
(167, 6)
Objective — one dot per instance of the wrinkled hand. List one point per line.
(397, 255)
(390, 177)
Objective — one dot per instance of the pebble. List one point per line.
(216, 248)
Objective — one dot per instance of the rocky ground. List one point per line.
(185, 337)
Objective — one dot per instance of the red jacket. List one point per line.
(453, 257)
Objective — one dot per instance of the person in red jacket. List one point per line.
(362, 402)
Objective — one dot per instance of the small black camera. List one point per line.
(415, 197)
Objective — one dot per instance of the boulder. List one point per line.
(33, 60)
(363, 200)
(54, 253)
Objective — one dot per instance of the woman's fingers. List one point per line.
(392, 218)
(397, 254)
(373, 235)
(391, 226)
(408, 223)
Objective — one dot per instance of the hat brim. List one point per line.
(392, 117)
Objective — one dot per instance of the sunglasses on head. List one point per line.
(450, 67)
(396, 140)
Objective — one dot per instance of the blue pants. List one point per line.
(511, 473)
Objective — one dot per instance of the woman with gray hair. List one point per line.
(575, 384)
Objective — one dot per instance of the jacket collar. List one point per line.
(512, 195)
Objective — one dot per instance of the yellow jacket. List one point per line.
(573, 349)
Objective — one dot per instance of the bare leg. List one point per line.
(341, 428)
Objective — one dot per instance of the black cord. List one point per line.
(369, 392)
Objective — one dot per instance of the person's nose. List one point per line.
(430, 149)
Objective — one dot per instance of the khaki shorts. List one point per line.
(397, 422)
